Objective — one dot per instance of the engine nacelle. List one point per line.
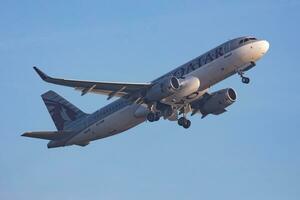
(188, 86)
(218, 101)
(163, 89)
(141, 111)
(173, 86)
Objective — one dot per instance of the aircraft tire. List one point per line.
(246, 80)
(187, 124)
(181, 121)
(151, 117)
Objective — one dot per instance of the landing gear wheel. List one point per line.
(181, 121)
(245, 80)
(187, 124)
(151, 117)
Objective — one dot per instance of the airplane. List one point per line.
(172, 96)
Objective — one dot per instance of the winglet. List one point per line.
(43, 76)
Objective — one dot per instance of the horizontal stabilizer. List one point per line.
(48, 135)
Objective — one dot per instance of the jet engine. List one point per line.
(188, 86)
(172, 85)
(216, 102)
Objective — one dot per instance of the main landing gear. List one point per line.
(184, 122)
(152, 117)
(245, 80)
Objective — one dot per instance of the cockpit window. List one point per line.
(252, 39)
(247, 39)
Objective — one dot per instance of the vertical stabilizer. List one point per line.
(63, 113)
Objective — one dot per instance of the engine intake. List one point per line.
(175, 83)
(231, 94)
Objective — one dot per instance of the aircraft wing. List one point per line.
(107, 88)
(48, 135)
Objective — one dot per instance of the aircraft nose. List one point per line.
(264, 46)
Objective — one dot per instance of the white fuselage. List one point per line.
(208, 74)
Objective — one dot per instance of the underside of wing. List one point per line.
(48, 135)
(107, 88)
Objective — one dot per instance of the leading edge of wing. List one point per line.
(96, 85)
(50, 79)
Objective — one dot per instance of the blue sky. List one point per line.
(250, 152)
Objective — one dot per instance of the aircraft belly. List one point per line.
(113, 124)
(118, 122)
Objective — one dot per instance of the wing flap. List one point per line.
(103, 92)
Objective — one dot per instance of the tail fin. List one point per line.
(63, 113)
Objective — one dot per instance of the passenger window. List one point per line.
(246, 40)
(241, 42)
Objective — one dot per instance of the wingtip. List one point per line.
(25, 134)
(40, 73)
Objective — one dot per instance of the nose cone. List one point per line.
(264, 46)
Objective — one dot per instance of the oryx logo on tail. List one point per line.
(62, 112)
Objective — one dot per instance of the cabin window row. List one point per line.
(110, 109)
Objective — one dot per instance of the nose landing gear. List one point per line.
(184, 122)
(241, 71)
(245, 80)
